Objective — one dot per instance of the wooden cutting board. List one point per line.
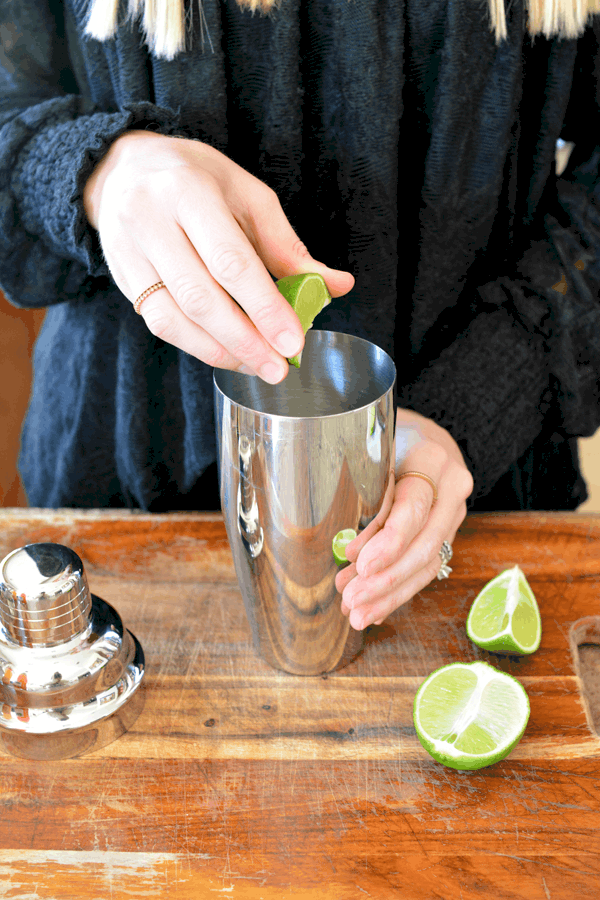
(243, 781)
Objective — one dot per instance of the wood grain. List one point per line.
(243, 781)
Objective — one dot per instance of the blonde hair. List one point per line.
(165, 26)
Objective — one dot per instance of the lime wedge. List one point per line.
(505, 617)
(470, 715)
(307, 295)
(339, 543)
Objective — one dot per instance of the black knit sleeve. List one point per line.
(529, 361)
(50, 140)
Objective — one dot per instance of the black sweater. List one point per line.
(405, 146)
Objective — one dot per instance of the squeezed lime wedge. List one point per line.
(307, 294)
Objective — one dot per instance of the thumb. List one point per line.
(338, 281)
(283, 253)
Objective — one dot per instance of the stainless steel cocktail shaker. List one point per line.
(298, 462)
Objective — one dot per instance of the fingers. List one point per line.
(162, 315)
(381, 607)
(372, 600)
(202, 266)
(408, 516)
(165, 320)
(385, 545)
(354, 548)
(236, 269)
(183, 213)
(204, 308)
(239, 259)
(404, 555)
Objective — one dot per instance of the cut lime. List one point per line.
(307, 295)
(470, 715)
(339, 544)
(505, 617)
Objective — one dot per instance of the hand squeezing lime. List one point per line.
(307, 295)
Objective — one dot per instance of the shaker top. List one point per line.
(68, 666)
(41, 570)
(44, 594)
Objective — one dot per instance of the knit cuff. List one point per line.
(49, 178)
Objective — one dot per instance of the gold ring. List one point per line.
(155, 287)
(421, 475)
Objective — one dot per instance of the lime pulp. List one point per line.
(470, 715)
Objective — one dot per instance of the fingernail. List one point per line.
(288, 344)
(361, 623)
(272, 373)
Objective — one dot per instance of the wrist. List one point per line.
(92, 191)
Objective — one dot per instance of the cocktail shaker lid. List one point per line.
(68, 667)
(44, 595)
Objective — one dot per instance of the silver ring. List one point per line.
(445, 556)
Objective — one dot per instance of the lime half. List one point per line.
(339, 544)
(470, 715)
(307, 295)
(505, 617)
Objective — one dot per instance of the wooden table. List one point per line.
(241, 781)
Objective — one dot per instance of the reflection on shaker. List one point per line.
(249, 527)
(375, 432)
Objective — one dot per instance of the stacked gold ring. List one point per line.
(155, 287)
(421, 475)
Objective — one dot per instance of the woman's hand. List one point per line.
(397, 555)
(176, 210)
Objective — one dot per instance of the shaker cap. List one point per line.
(70, 672)
(44, 595)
